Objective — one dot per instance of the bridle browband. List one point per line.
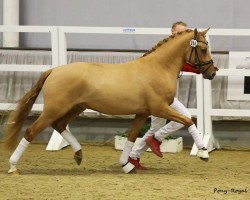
(198, 64)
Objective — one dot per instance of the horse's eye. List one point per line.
(204, 50)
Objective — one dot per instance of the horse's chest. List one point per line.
(166, 85)
(165, 89)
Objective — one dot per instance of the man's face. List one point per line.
(178, 28)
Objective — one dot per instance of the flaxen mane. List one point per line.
(165, 40)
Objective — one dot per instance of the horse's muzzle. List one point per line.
(209, 76)
(210, 73)
(212, 76)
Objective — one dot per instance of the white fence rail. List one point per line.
(53, 31)
(204, 110)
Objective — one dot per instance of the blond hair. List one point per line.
(179, 23)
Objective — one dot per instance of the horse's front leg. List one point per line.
(137, 124)
(60, 126)
(167, 112)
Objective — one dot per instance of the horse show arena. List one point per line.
(100, 49)
(55, 175)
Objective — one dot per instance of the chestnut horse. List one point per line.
(145, 86)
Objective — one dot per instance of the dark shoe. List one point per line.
(154, 145)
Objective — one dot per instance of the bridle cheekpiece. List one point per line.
(198, 64)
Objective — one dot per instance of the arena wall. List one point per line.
(152, 13)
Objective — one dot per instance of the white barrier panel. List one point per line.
(210, 141)
(209, 111)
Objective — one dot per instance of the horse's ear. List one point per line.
(205, 31)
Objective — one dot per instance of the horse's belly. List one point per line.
(117, 106)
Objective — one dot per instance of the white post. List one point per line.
(210, 142)
(62, 46)
(55, 47)
(56, 141)
(200, 110)
(11, 17)
(200, 103)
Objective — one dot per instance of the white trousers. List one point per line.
(160, 129)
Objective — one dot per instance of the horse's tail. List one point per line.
(17, 117)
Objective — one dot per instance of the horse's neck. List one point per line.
(171, 55)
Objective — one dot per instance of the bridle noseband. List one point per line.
(198, 64)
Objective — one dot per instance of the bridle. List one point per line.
(198, 64)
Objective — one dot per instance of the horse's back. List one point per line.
(107, 88)
(123, 88)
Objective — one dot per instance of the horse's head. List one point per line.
(199, 57)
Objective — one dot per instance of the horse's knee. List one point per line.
(132, 136)
(188, 122)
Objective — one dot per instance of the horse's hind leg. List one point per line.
(60, 126)
(39, 125)
(137, 124)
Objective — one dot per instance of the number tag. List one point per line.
(193, 43)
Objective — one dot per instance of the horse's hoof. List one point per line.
(203, 154)
(128, 168)
(15, 173)
(78, 157)
(133, 171)
(205, 159)
(13, 170)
